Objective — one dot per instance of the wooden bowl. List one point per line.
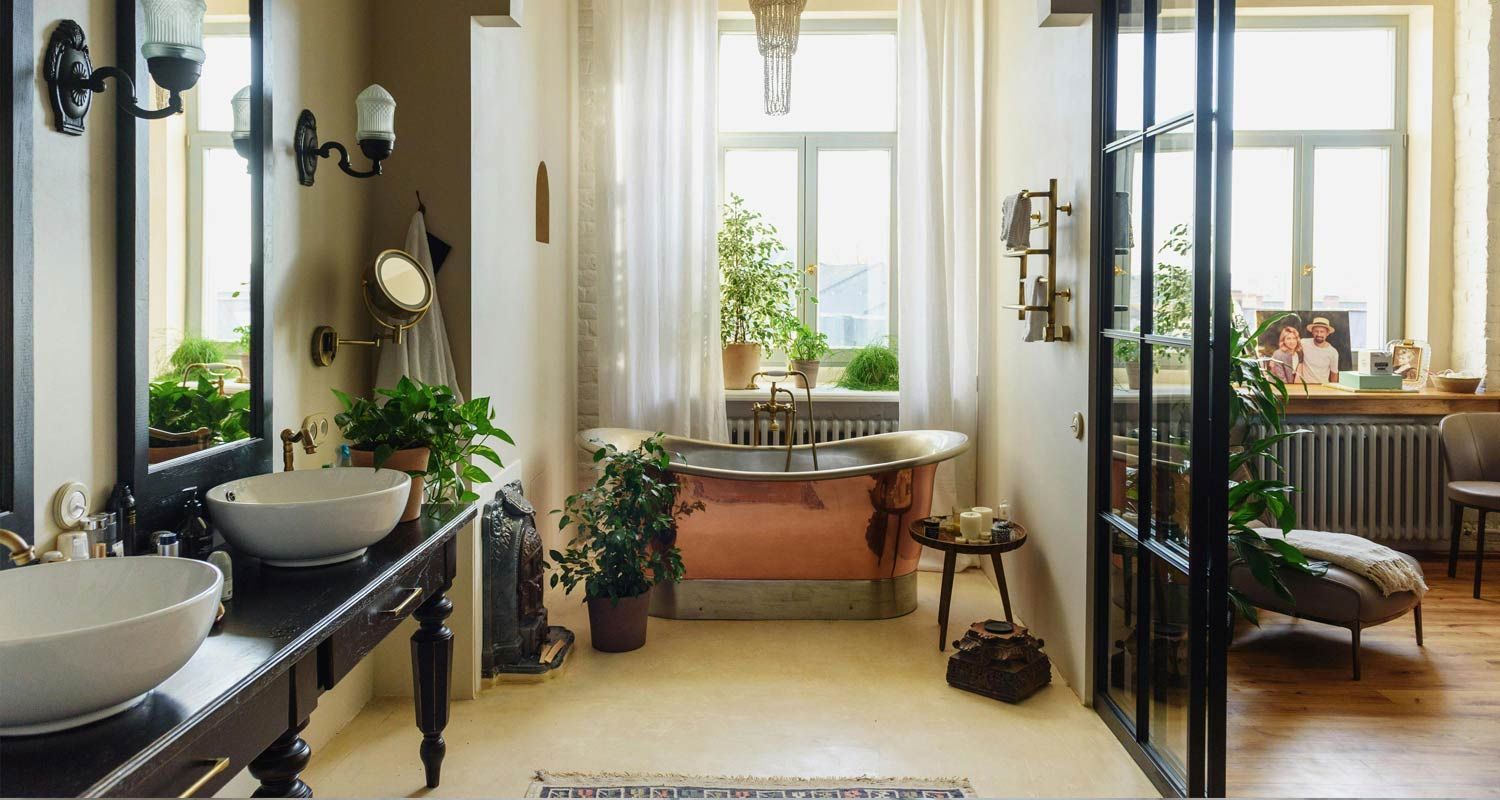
(1454, 385)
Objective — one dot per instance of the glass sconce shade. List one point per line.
(174, 29)
(377, 115)
(241, 104)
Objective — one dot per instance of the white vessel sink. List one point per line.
(310, 519)
(82, 640)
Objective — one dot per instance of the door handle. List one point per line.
(412, 596)
(1308, 269)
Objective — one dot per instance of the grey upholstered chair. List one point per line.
(1471, 449)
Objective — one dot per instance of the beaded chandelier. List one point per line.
(778, 24)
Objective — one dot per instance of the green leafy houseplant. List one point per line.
(874, 368)
(756, 291)
(808, 345)
(1256, 492)
(178, 407)
(417, 415)
(1172, 308)
(623, 526)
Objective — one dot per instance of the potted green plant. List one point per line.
(426, 432)
(874, 368)
(622, 545)
(806, 354)
(184, 418)
(242, 346)
(757, 308)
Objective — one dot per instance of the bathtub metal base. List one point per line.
(732, 599)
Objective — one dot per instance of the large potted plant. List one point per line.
(757, 306)
(424, 431)
(622, 545)
(806, 354)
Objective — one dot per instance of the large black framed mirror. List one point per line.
(15, 276)
(194, 329)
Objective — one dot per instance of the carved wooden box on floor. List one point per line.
(999, 660)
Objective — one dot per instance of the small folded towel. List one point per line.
(1036, 321)
(1383, 566)
(1015, 220)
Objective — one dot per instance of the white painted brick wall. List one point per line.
(588, 257)
(1476, 230)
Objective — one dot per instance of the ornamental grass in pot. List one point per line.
(424, 431)
(757, 293)
(623, 544)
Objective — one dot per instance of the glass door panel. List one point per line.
(1172, 444)
(1122, 645)
(1172, 235)
(1351, 235)
(1170, 665)
(1130, 67)
(1176, 58)
(854, 246)
(1127, 166)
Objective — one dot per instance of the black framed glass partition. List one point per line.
(16, 271)
(1161, 440)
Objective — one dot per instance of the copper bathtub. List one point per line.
(828, 543)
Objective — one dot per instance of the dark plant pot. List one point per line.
(619, 627)
(413, 460)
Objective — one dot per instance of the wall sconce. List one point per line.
(242, 127)
(174, 54)
(376, 135)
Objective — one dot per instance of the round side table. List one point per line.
(951, 550)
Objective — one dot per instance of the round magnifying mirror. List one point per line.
(399, 287)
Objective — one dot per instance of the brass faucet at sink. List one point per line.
(776, 409)
(21, 553)
(313, 433)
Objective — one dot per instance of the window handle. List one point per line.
(1308, 269)
(812, 269)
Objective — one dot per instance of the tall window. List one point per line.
(1319, 164)
(824, 174)
(218, 241)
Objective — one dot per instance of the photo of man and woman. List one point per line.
(1310, 347)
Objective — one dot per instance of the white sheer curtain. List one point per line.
(655, 73)
(939, 236)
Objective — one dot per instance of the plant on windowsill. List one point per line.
(757, 308)
(1257, 416)
(873, 368)
(190, 351)
(622, 546)
(194, 416)
(806, 354)
(242, 346)
(424, 431)
(1172, 309)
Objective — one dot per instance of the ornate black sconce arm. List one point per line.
(309, 150)
(72, 80)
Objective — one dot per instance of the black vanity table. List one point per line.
(243, 700)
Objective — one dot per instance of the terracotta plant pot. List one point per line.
(1132, 375)
(810, 368)
(413, 460)
(741, 362)
(161, 455)
(619, 627)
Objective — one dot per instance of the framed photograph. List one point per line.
(1310, 347)
(1407, 361)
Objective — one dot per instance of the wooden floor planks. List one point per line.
(1424, 722)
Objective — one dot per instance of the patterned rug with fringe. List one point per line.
(611, 784)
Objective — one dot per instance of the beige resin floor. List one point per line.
(756, 698)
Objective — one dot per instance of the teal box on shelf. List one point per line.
(1366, 381)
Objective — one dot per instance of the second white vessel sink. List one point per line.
(83, 640)
(312, 518)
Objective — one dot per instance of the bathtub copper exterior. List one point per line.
(803, 544)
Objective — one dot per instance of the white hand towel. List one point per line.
(1036, 321)
(1016, 221)
(423, 354)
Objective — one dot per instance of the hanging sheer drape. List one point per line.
(939, 235)
(655, 74)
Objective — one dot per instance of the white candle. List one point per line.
(988, 514)
(972, 526)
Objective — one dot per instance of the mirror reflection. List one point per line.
(200, 251)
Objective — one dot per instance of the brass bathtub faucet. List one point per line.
(775, 409)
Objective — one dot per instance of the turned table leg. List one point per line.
(279, 768)
(950, 565)
(432, 670)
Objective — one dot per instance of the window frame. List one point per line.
(808, 145)
(199, 142)
(1305, 145)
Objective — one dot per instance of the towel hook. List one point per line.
(421, 206)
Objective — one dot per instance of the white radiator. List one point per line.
(828, 427)
(1381, 480)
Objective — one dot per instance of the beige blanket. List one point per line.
(1383, 566)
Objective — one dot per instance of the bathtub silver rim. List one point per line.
(786, 599)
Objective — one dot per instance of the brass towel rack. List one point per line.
(1054, 332)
